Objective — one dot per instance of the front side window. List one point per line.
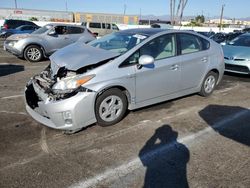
(190, 43)
(108, 26)
(160, 48)
(61, 30)
(114, 27)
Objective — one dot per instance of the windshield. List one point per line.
(118, 42)
(243, 40)
(42, 29)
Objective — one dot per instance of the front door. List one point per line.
(163, 77)
(59, 39)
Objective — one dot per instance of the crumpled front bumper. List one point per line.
(69, 114)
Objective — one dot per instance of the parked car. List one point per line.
(101, 29)
(13, 24)
(207, 34)
(224, 38)
(237, 55)
(19, 30)
(45, 41)
(130, 69)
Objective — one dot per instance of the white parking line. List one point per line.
(9, 112)
(124, 169)
(11, 97)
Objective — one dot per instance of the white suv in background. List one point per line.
(100, 29)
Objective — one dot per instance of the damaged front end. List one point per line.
(56, 100)
(49, 87)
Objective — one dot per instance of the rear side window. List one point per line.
(95, 25)
(190, 43)
(75, 30)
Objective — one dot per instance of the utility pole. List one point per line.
(124, 10)
(66, 6)
(221, 16)
(140, 13)
(15, 4)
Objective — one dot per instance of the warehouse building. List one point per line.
(64, 16)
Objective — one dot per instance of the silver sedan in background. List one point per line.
(46, 40)
(130, 69)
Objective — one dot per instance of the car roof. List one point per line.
(62, 24)
(144, 31)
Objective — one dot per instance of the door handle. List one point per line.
(174, 67)
(130, 76)
(204, 59)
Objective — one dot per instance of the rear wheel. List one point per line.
(110, 107)
(33, 53)
(209, 84)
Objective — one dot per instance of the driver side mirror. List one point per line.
(146, 60)
(52, 33)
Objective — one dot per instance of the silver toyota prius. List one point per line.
(126, 70)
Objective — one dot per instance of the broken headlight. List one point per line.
(70, 83)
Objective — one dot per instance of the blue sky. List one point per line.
(233, 8)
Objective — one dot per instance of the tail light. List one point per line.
(5, 26)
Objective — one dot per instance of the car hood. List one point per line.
(21, 36)
(78, 55)
(18, 36)
(236, 52)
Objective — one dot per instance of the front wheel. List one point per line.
(33, 53)
(110, 107)
(209, 84)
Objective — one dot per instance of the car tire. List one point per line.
(110, 107)
(209, 84)
(33, 53)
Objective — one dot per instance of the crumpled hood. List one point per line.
(78, 55)
(236, 52)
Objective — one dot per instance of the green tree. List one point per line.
(33, 19)
(200, 19)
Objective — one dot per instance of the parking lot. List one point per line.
(188, 142)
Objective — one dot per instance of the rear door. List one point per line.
(194, 59)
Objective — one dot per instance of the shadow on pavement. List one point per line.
(10, 69)
(237, 129)
(165, 160)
